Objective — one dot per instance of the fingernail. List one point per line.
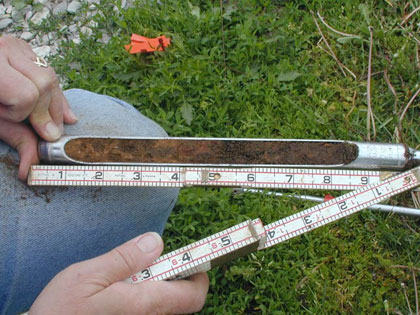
(52, 130)
(61, 128)
(72, 115)
(149, 242)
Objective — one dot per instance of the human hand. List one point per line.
(29, 91)
(97, 286)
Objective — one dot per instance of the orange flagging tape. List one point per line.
(328, 197)
(142, 44)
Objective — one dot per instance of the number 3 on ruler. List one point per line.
(145, 274)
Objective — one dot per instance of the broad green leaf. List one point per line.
(187, 113)
(345, 40)
(18, 4)
(288, 76)
(364, 9)
(228, 10)
(195, 11)
(37, 7)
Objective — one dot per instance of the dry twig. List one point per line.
(416, 198)
(391, 87)
(397, 131)
(406, 297)
(405, 267)
(353, 105)
(389, 2)
(417, 48)
(409, 16)
(416, 292)
(342, 65)
(417, 57)
(370, 117)
(328, 45)
(414, 38)
(406, 108)
(408, 225)
(223, 34)
(333, 29)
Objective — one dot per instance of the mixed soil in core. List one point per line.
(178, 151)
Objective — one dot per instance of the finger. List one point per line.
(42, 121)
(21, 138)
(156, 297)
(56, 107)
(47, 115)
(124, 260)
(60, 109)
(18, 94)
(176, 297)
(68, 115)
(46, 82)
(25, 48)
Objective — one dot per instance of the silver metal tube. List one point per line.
(54, 152)
(377, 207)
(374, 156)
(381, 155)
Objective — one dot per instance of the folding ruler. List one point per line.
(249, 163)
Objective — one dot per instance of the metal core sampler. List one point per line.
(229, 152)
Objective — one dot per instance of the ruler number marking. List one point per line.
(185, 258)
(146, 273)
(327, 179)
(307, 220)
(342, 205)
(271, 234)
(136, 175)
(377, 192)
(407, 180)
(98, 175)
(214, 176)
(226, 240)
(142, 275)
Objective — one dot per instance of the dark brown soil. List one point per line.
(179, 151)
(9, 162)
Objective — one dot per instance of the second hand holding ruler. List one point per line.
(248, 163)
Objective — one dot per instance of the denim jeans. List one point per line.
(44, 230)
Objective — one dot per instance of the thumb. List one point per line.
(125, 260)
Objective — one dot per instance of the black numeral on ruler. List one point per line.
(142, 275)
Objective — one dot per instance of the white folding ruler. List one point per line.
(252, 235)
(171, 176)
(371, 187)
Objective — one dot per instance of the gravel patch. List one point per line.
(16, 18)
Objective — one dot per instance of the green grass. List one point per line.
(258, 71)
